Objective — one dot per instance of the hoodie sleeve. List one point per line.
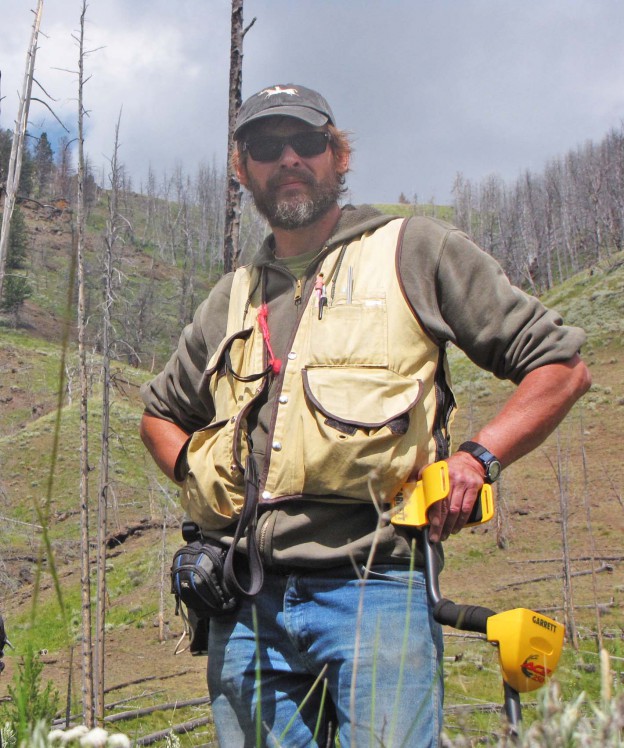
(175, 394)
(461, 295)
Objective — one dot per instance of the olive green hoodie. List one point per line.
(458, 293)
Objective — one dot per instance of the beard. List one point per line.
(299, 209)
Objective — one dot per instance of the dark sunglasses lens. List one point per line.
(308, 144)
(265, 149)
(305, 144)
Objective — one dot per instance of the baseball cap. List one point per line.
(286, 100)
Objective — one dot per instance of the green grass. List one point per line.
(594, 300)
(475, 679)
(442, 212)
(47, 630)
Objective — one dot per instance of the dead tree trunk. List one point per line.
(17, 147)
(231, 246)
(110, 240)
(564, 503)
(587, 503)
(85, 582)
(162, 635)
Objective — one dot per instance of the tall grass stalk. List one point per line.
(404, 646)
(320, 678)
(258, 684)
(43, 514)
(320, 717)
(372, 740)
(360, 612)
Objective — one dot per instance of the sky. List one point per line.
(428, 88)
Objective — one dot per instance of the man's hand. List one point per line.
(451, 514)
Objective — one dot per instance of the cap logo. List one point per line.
(279, 90)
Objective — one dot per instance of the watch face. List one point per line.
(493, 471)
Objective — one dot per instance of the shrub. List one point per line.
(30, 702)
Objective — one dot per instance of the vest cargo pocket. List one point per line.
(214, 489)
(356, 420)
(368, 398)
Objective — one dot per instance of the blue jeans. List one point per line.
(312, 629)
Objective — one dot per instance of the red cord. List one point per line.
(263, 315)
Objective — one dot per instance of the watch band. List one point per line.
(491, 464)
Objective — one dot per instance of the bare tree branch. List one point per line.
(52, 112)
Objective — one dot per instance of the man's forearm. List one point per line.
(538, 405)
(164, 441)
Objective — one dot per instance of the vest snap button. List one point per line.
(283, 399)
(277, 446)
(266, 495)
(292, 355)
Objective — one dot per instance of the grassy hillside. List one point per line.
(513, 561)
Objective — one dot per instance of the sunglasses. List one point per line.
(266, 148)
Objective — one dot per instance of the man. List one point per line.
(4, 642)
(339, 389)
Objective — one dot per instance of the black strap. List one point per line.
(246, 526)
(251, 377)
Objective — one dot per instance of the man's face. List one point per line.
(292, 191)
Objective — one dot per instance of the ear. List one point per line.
(342, 163)
(241, 168)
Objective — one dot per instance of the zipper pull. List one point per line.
(298, 291)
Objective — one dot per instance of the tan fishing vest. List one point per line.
(360, 392)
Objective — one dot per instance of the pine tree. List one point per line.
(43, 159)
(5, 154)
(16, 287)
(26, 174)
(64, 173)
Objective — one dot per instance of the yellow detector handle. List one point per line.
(529, 646)
(410, 506)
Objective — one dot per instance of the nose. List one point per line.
(289, 157)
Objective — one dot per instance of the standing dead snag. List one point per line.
(17, 148)
(564, 505)
(110, 240)
(231, 247)
(87, 651)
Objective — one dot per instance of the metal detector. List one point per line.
(529, 643)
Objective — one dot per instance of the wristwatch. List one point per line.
(491, 464)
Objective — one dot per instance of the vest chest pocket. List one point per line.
(349, 334)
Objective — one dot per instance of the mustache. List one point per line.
(287, 174)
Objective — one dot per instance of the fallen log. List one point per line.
(576, 559)
(184, 727)
(487, 707)
(141, 711)
(135, 682)
(144, 695)
(589, 606)
(548, 577)
(115, 539)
